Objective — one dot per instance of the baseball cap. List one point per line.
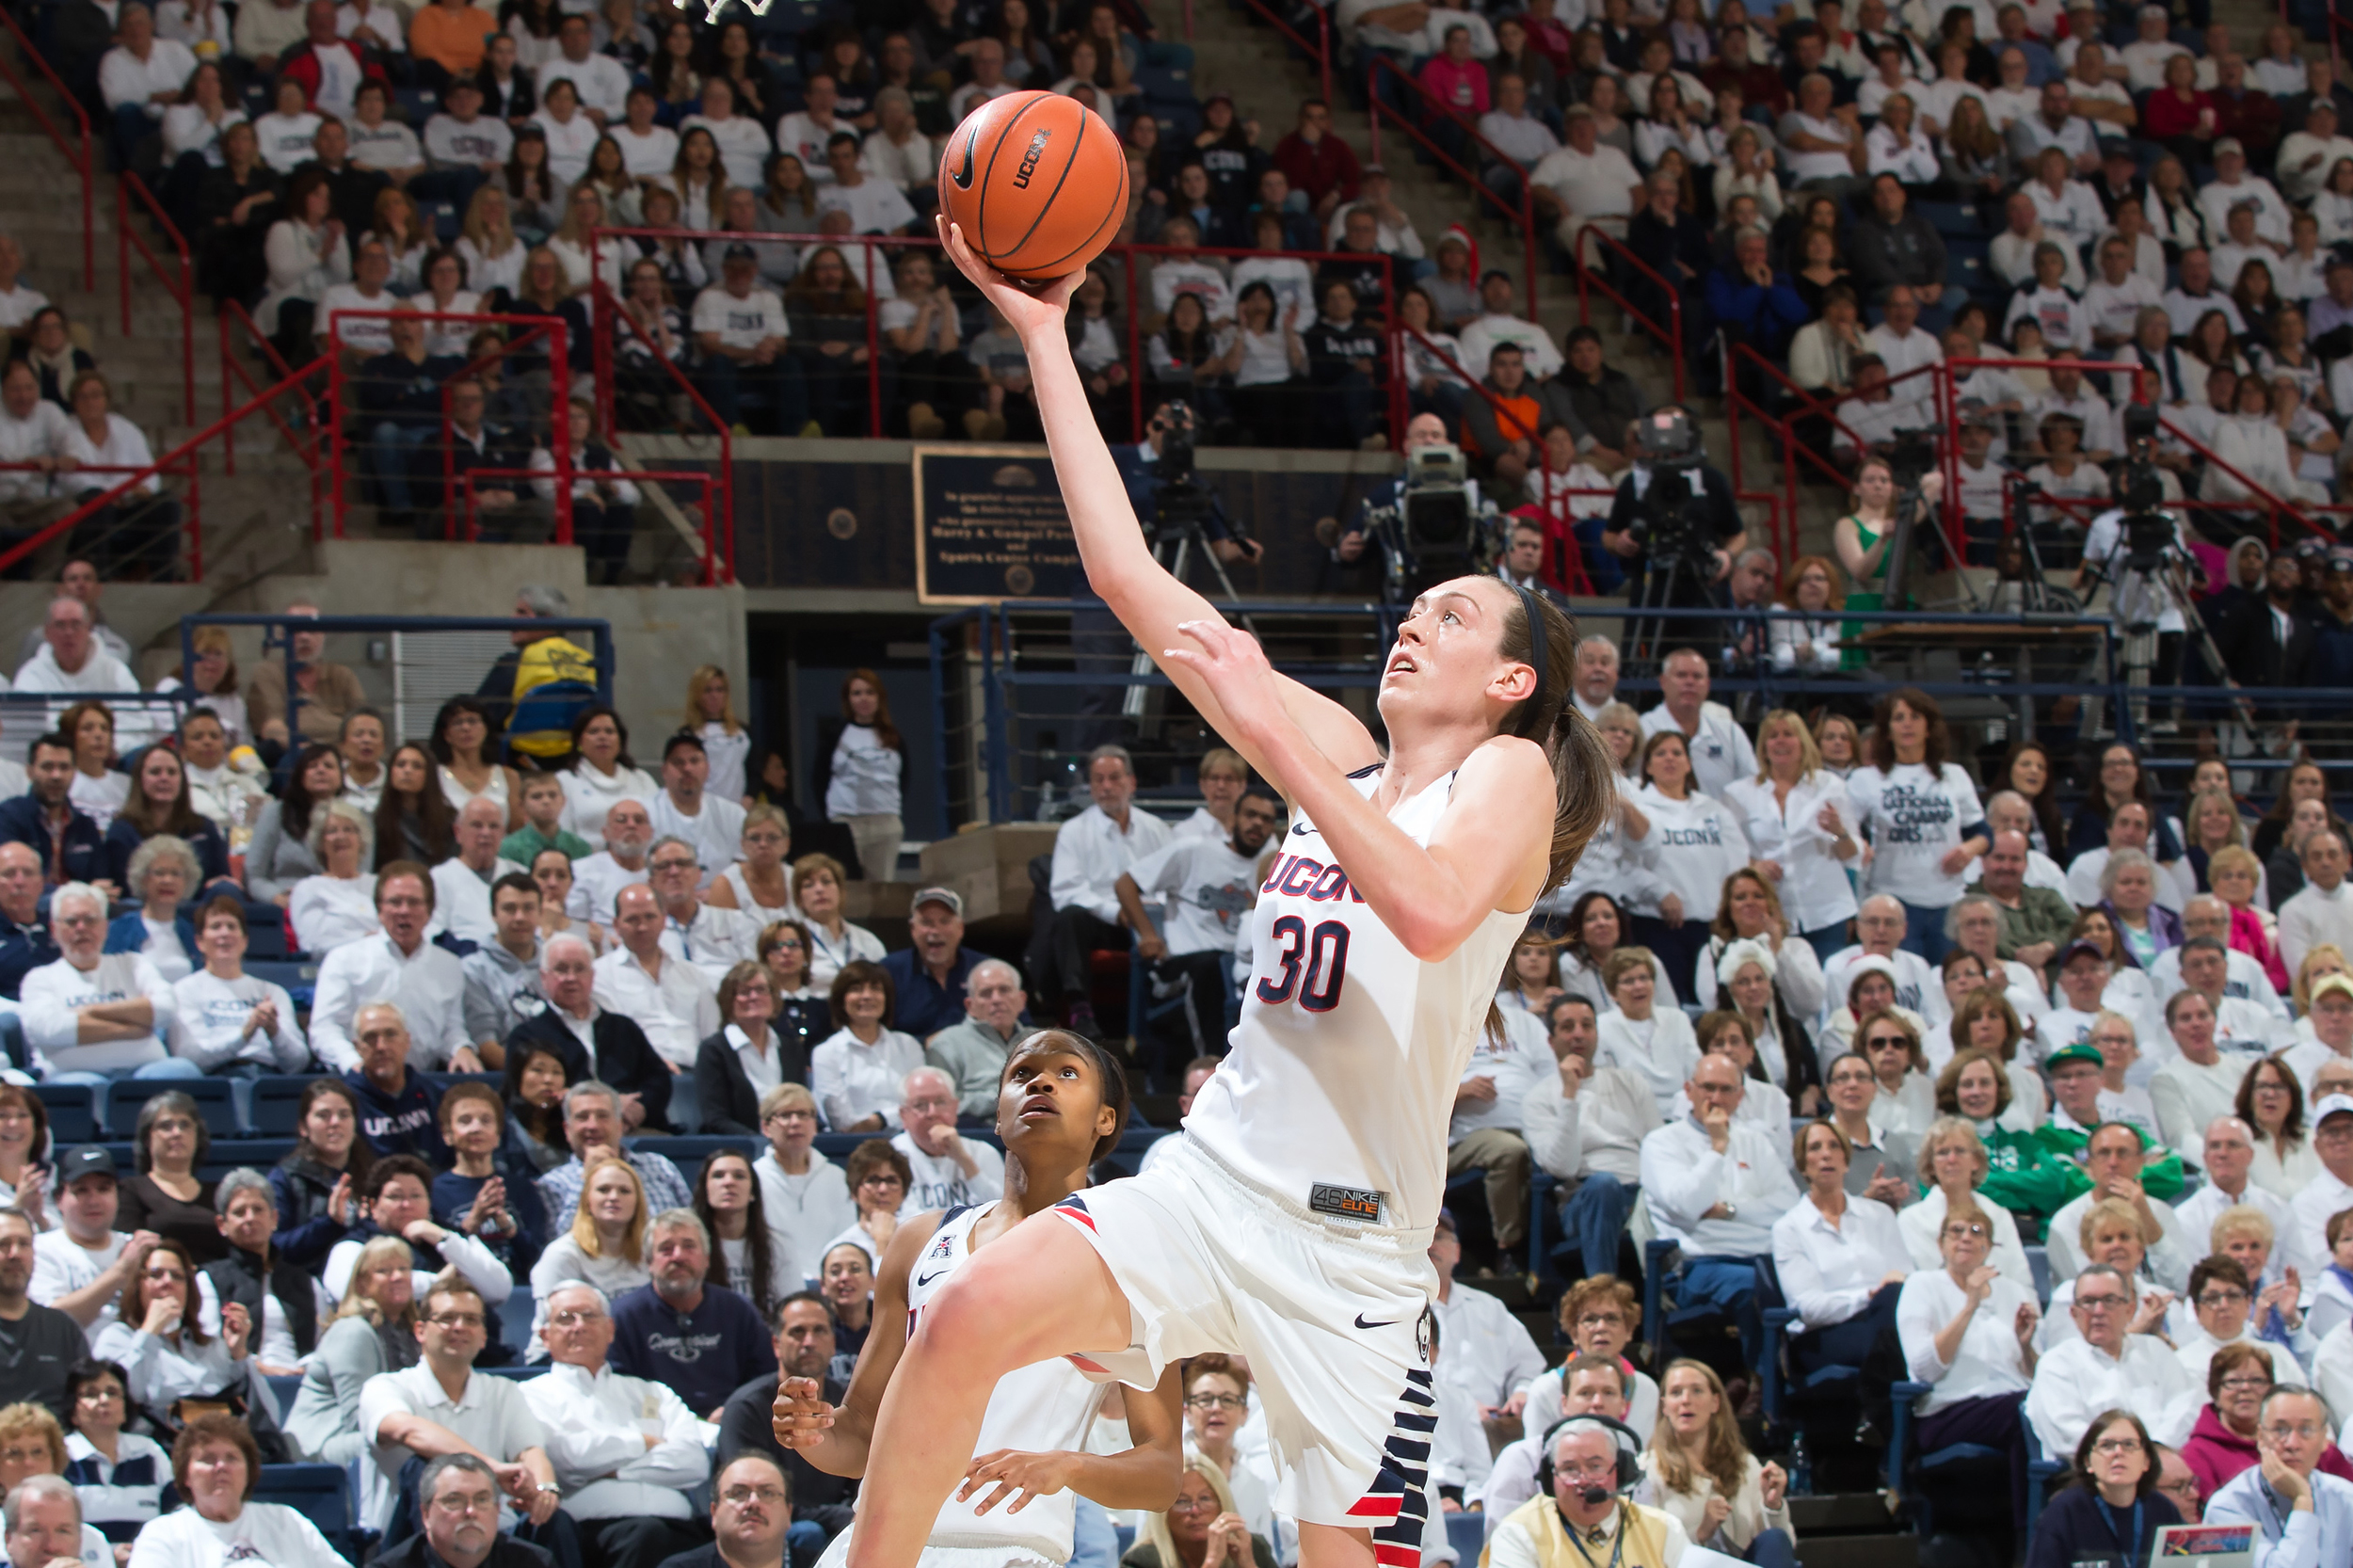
(84, 1159)
(2332, 1105)
(739, 252)
(2230, 144)
(2341, 563)
(2069, 1055)
(2341, 985)
(953, 900)
(2080, 948)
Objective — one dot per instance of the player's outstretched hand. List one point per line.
(800, 1414)
(1236, 669)
(1019, 1475)
(1026, 309)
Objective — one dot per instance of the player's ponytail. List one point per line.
(1585, 787)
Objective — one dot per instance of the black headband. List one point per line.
(1532, 719)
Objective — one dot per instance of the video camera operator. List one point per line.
(2143, 556)
(1383, 525)
(1690, 532)
(1160, 467)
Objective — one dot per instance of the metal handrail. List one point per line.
(718, 563)
(181, 459)
(868, 243)
(1528, 200)
(183, 291)
(84, 163)
(232, 313)
(1670, 334)
(1320, 50)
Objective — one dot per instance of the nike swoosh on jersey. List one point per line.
(921, 1280)
(1303, 827)
(1361, 1323)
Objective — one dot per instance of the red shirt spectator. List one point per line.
(1317, 162)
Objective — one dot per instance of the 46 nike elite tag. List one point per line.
(1346, 1202)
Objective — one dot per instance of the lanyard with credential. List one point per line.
(2107, 1516)
(1576, 1539)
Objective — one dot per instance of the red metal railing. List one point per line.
(83, 159)
(1669, 333)
(233, 320)
(182, 461)
(181, 287)
(719, 564)
(1527, 205)
(1125, 254)
(1320, 50)
(535, 330)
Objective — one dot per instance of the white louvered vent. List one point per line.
(430, 667)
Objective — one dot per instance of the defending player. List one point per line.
(1061, 1103)
(1293, 1223)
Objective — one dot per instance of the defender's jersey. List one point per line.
(1342, 1079)
(1046, 1406)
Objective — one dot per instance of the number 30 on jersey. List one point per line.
(1309, 963)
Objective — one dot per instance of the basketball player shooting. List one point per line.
(1292, 1225)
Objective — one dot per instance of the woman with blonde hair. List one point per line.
(406, 236)
(374, 1331)
(2236, 877)
(1800, 828)
(33, 1444)
(1699, 1470)
(710, 715)
(605, 1246)
(1774, 983)
(586, 211)
(488, 244)
(1202, 1529)
(759, 882)
(2319, 963)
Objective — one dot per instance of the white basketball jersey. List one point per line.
(1044, 1407)
(1341, 1079)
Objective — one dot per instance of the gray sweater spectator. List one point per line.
(1895, 246)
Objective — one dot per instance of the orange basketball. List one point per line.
(1037, 182)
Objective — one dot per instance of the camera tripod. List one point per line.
(2143, 591)
(1179, 529)
(1682, 582)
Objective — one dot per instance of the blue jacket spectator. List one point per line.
(701, 1347)
(26, 943)
(402, 1120)
(925, 1006)
(1750, 298)
(27, 820)
(127, 932)
(124, 839)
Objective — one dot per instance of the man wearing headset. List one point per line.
(1583, 1515)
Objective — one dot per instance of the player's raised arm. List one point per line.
(1149, 602)
(835, 1439)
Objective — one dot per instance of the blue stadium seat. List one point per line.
(298, 976)
(320, 1493)
(516, 1374)
(1468, 1534)
(277, 1101)
(515, 1315)
(680, 1151)
(283, 1387)
(73, 1109)
(213, 1096)
(1780, 1390)
(1950, 219)
(255, 1154)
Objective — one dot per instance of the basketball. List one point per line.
(1037, 182)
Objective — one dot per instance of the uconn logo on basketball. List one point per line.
(1028, 160)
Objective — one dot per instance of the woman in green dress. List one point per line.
(1865, 535)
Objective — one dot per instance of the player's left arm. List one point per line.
(1488, 851)
(1145, 1476)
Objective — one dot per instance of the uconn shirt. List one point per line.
(740, 323)
(1912, 817)
(1345, 1061)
